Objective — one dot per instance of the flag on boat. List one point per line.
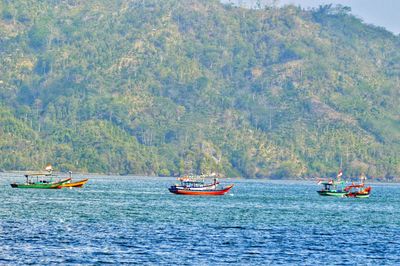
(340, 174)
(48, 168)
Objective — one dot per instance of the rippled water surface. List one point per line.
(136, 220)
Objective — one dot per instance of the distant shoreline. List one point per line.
(369, 181)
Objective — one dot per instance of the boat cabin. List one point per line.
(332, 186)
(39, 178)
(195, 183)
(192, 184)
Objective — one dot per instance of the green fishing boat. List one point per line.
(42, 184)
(332, 187)
(41, 180)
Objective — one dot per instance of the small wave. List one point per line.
(230, 227)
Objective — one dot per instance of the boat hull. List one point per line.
(332, 193)
(211, 192)
(357, 196)
(37, 186)
(362, 193)
(79, 183)
(55, 185)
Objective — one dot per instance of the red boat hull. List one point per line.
(359, 194)
(212, 192)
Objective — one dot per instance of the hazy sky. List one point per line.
(385, 13)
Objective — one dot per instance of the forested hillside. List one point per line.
(172, 87)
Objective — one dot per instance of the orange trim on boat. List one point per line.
(79, 183)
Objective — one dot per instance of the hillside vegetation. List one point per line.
(172, 87)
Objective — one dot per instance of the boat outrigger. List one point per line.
(197, 186)
(42, 180)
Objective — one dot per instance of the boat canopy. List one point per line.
(331, 182)
(39, 174)
(354, 186)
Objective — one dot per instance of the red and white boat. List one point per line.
(197, 186)
(357, 191)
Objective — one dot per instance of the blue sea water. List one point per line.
(135, 220)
